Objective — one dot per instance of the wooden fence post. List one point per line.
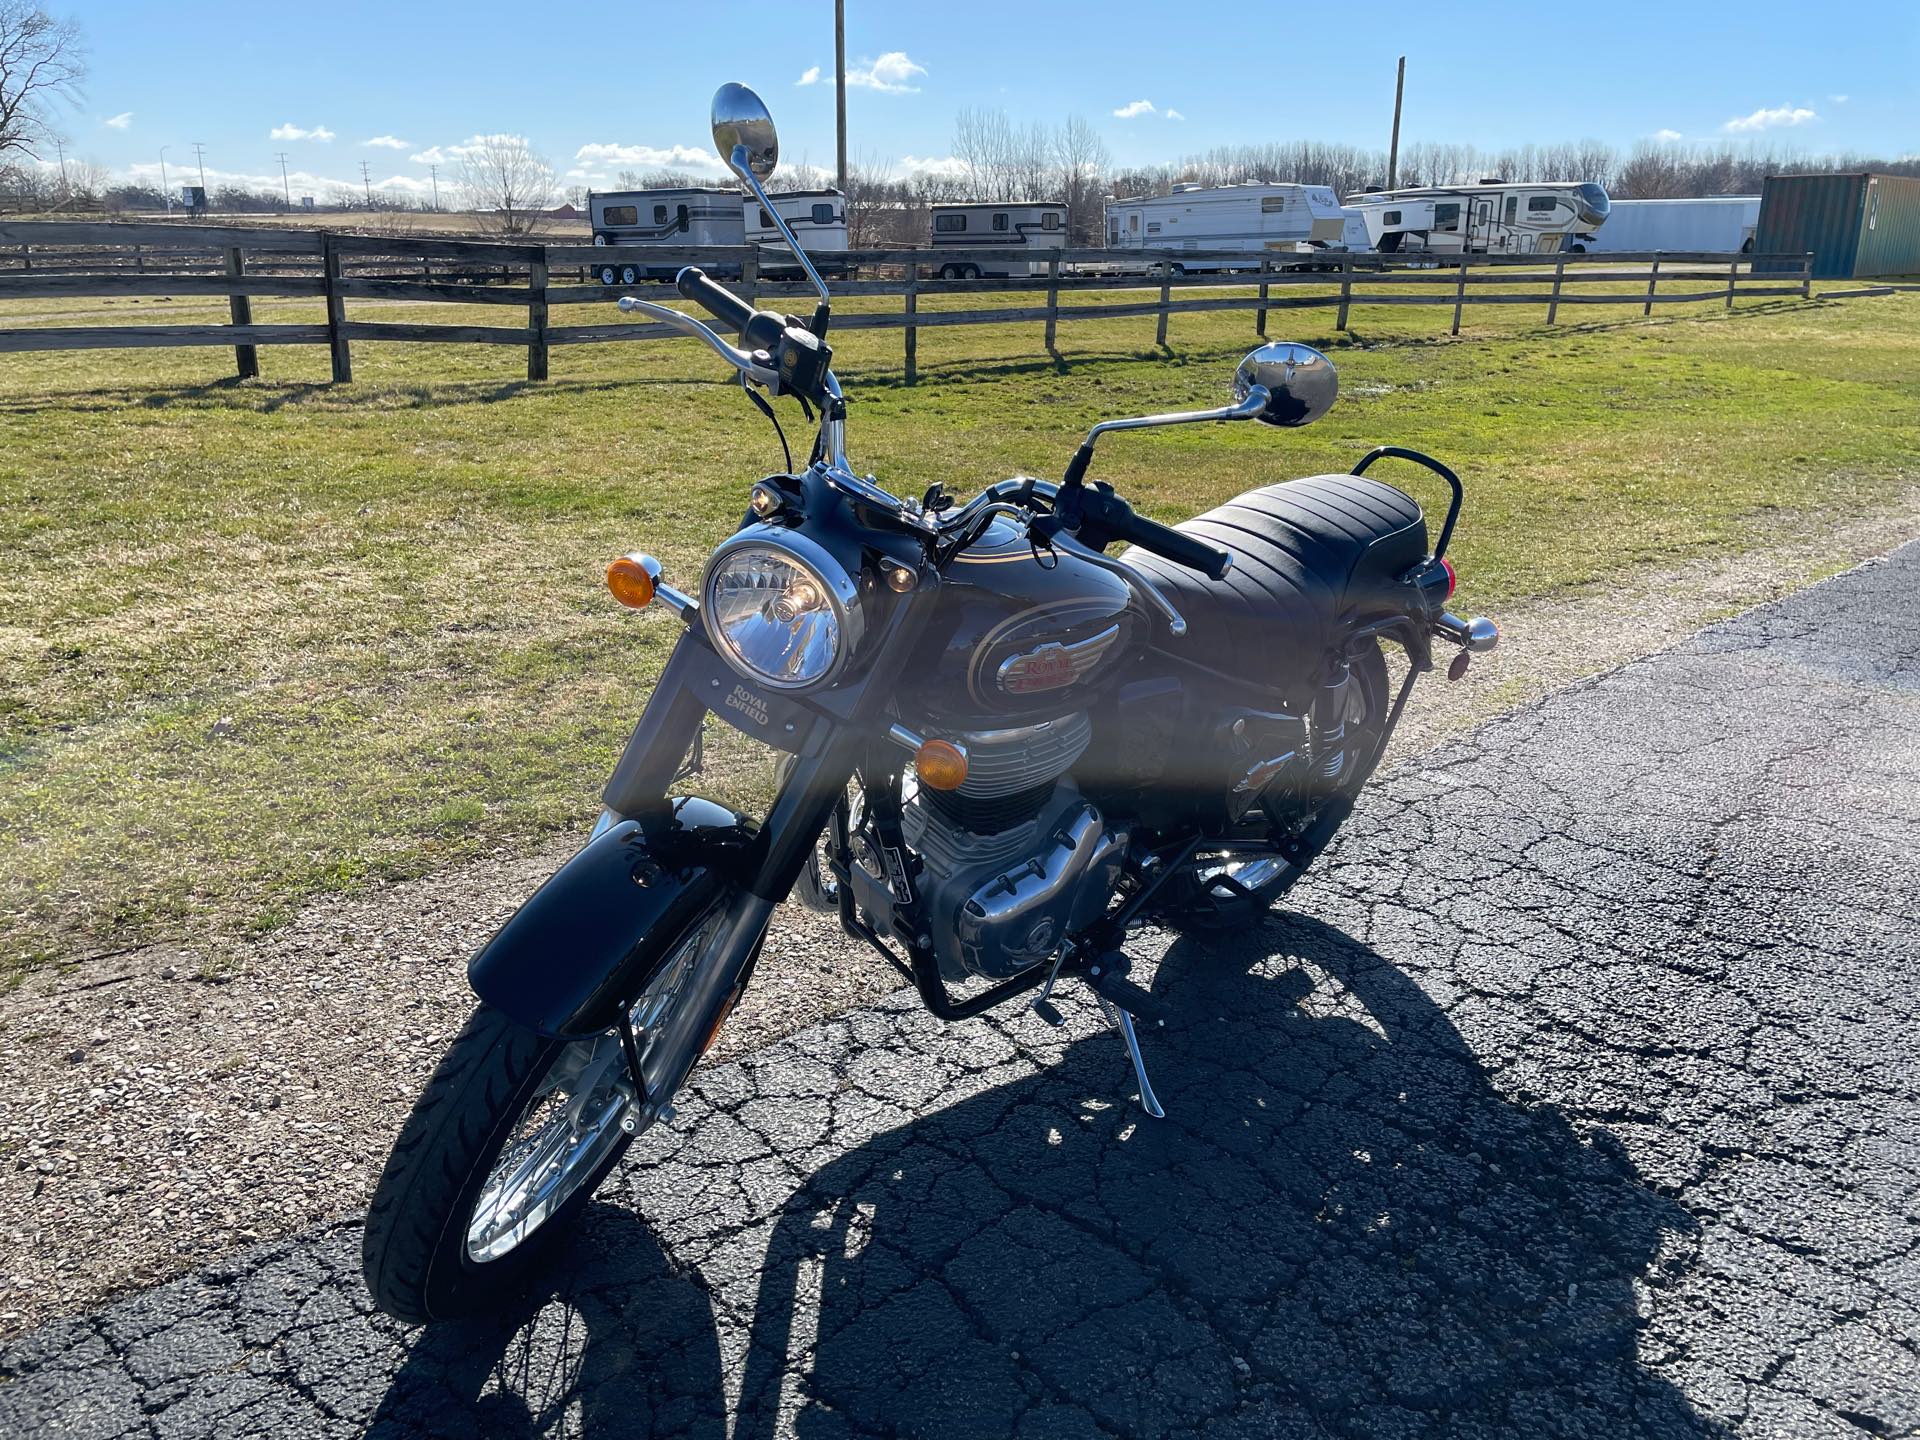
(1653, 279)
(1346, 289)
(245, 357)
(140, 258)
(336, 313)
(1260, 319)
(26, 257)
(912, 330)
(1553, 305)
(1806, 277)
(1053, 301)
(750, 275)
(537, 319)
(1166, 299)
(1460, 295)
(1733, 278)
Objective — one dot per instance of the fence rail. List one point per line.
(79, 259)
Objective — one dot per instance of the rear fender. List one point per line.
(585, 941)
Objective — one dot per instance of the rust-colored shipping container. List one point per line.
(1855, 225)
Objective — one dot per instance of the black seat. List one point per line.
(1304, 554)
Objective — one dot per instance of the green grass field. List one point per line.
(261, 640)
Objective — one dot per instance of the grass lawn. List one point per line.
(259, 640)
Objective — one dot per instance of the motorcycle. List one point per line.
(1002, 748)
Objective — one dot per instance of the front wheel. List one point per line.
(512, 1136)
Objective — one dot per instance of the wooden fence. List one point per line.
(84, 259)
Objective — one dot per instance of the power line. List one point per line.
(286, 185)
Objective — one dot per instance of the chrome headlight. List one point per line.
(779, 608)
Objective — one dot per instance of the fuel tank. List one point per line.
(1017, 635)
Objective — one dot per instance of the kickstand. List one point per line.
(1122, 1021)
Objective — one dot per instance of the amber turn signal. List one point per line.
(631, 580)
(940, 764)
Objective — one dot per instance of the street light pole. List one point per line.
(840, 86)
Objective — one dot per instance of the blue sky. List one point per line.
(399, 84)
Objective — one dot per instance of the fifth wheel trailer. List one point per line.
(1717, 224)
(1493, 217)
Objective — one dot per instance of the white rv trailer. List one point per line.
(818, 219)
(981, 226)
(1720, 224)
(1491, 217)
(1290, 219)
(672, 219)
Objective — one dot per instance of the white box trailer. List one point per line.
(979, 226)
(1719, 224)
(818, 219)
(1491, 217)
(672, 219)
(1256, 219)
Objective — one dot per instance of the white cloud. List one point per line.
(432, 155)
(301, 182)
(890, 74)
(297, 132)
(386, 142)
(1839, 99)
(1775, 119)
(1667, 137)
(945, 166)
(122, 121)
(809, 76)
(1173, 114)
(692, 156)
(1134, 109)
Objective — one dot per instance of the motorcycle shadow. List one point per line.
(616, 1342)
(1342, 1227)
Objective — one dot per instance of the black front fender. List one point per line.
(586, 940)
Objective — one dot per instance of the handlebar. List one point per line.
(1177, 546)
(718, 301)
(1099, 517)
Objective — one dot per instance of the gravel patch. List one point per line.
(160, 1115)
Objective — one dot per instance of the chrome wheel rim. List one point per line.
(582, 1108)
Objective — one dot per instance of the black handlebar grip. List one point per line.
(1179, 547)
(718, 301)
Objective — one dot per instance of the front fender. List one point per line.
(585, 941)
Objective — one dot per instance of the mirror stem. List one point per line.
(822, 312)
(1247, 409)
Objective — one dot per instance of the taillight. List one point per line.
(1453, 580)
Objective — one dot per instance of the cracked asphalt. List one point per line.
(1575, 1096)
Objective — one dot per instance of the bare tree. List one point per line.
(1083, 159)
(506, 183)
(40, 62)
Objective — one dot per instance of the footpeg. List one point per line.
(1107, 977)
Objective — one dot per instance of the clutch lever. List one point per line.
(1176, 622)
(687, 324)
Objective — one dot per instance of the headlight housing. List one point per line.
(779, 608)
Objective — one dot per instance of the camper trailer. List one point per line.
(1718, 224)
(672, 219)
(1488, 218)
(818, 219)
(980, 226)
(1304, 220)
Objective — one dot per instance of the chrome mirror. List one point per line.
(1300, 383)
(743, 132)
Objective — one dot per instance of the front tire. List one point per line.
(513, 1134)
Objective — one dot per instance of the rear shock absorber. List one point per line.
(1328, 720)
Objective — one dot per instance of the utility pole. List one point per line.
(286, 185)
(366, 179)
(433, 174)
(840, 85)
(166, 192)
(1393, 152)
(60, 149)
(200, 154)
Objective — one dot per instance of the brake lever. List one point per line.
(687, 324)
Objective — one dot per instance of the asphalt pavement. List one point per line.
(1576, 1096)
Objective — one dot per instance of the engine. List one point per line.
(1015, 859)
